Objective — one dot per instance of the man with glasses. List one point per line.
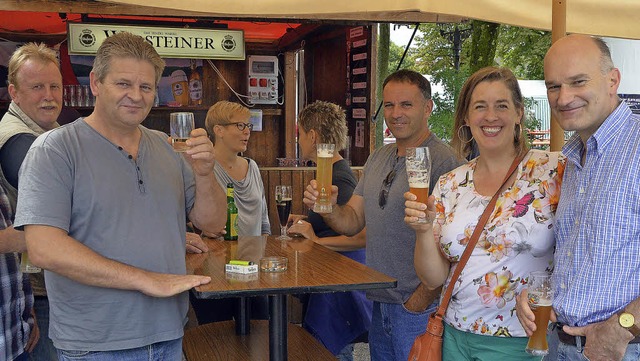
(399, 314)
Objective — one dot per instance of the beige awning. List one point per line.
(619, 18)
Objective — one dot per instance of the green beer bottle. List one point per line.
(232, 215)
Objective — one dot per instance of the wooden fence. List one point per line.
(298, 178)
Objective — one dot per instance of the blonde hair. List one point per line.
(30, 51)
(328, 120)
(221, 113)
(126, 45)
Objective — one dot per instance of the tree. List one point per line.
(449, 53)
(522, 50)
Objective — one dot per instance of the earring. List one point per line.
(463, 136)
(518, 133)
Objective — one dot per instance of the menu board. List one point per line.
(358, 80)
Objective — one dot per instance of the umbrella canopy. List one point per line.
(596, 17)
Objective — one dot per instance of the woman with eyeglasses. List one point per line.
(480, 321)
(335, 319)
(228, 126)
(230, 130)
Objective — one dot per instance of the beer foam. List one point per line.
(418, 184)
(323, 153)
(541, 299)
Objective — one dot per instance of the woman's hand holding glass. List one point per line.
(300, 227)
(415, 210)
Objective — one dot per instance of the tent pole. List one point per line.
(558, 30)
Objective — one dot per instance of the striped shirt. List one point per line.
(16, 300)
(597, 259)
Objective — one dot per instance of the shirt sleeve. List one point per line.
(12, 154)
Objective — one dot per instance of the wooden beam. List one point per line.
(290, 81)
(559, 30)
(107, 8)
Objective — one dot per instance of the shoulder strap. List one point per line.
(444, 303)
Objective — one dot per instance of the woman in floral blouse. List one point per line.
(480, 322)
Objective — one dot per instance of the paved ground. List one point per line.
(361, 352)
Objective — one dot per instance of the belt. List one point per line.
(568, 339)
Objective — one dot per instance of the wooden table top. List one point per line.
(311, 268)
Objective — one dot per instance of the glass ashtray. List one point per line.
(273, 264)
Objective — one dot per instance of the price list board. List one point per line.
(358, 81)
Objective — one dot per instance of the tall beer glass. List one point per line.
(324, 175)
(540, 299)
(418, 164)
(284, 197)
(26, 266)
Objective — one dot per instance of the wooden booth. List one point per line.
(312, 60)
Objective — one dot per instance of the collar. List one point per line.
(15, 110)
(603, 137)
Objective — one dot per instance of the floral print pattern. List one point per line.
(517, 239)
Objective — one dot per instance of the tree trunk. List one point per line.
(383, 70)
(484, 39)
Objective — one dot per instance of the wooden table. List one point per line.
(311, 268)
(539, 138)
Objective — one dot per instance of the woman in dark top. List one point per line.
(350, 312)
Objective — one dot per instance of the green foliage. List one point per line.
(438, 53)
(522, 50)
(484, 37)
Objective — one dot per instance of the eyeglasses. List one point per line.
(386, 184)
(241, 126)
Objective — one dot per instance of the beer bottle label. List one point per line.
(234, 224)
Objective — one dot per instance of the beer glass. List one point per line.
(181, 124)
(418, 165)
(540, 299)
(26, 266)
(283, 202)
(324, 175)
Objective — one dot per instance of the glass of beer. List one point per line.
(284, 196)
(418, 165)
(181, 125)
(26, 266)
(540, 299)
(324, 175)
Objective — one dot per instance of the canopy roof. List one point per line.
(597, 17)
(20, 24)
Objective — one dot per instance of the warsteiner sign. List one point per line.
(85, 39)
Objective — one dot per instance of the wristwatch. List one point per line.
(628, 321)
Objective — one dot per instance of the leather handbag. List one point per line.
(428, 346)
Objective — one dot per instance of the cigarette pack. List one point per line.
(240, 277)
(234, 268)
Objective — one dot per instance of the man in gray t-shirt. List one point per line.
(400, 314)
(104, 202)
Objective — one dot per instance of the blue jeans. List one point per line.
(574, 353)
(165, 351)
(393, 330)
(44, 350)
